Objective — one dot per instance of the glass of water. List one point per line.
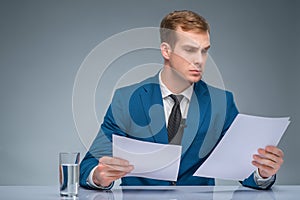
(69, 174)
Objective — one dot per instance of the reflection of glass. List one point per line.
(99, 195)
(69, 174)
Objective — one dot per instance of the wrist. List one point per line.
(261, 175)
(96, 181)
(93, 182)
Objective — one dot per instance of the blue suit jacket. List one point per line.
(137, 112)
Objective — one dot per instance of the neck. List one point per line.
(173, 80)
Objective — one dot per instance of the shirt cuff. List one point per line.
(263, 182)
(91, 183)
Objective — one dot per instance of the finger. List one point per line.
(113, 161)
(270, 156)
(117, 168)
(272, 153)
(115, 174)
(274, 150)
(114, 164)
(262, 166)
(271, 150)
(265, 171)
(264, 161)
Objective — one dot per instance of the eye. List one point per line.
(204, 51)
(190, 50)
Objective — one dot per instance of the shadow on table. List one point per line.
(252, 194)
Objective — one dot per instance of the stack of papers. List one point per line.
(232, 158)
(150, 160)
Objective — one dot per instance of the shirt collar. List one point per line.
(187, 93)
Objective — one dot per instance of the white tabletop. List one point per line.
(153, 193)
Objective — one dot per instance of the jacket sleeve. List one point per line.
(102, 144)
(251, 183)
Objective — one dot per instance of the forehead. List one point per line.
(192, 38)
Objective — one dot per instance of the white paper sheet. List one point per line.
(232, 157)
(150, 160)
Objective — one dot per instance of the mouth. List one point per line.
(195, 72)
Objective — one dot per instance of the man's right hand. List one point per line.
(110, 169)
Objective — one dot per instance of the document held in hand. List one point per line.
(150, 160)
(232, 157)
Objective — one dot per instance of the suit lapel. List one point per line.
(151, 99)
(197, 112)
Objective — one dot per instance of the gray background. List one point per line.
(43, 43)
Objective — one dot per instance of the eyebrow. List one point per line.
(195, 47)
(208, 47)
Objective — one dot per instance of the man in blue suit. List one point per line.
(143, 111)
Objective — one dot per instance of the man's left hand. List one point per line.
(268, 161)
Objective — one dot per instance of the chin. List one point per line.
(194, 80)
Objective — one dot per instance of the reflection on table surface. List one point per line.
(194, 192)
(153, 193)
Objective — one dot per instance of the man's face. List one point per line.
(189, 54)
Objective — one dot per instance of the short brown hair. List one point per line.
(186, 20)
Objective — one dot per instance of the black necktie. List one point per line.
(174, 118)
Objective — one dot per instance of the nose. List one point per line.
(198, 60)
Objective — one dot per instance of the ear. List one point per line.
(165, 50)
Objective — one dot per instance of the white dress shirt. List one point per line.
(168, 102)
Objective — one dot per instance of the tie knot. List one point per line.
(176, 98)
